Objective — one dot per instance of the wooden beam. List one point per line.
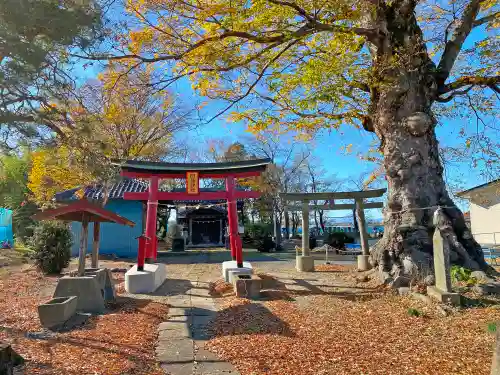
(333, 195)
(166, 175)
(334, 207)
(182, 196)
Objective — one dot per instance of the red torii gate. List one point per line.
(192, 172)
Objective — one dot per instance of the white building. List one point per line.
(484, 212)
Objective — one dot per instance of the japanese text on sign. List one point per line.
(192, 183)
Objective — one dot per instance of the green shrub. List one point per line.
(339, 239)
(492, 327)
(461, 274)
(51, 243)
(265, 244)
(414, 312)
(258, 230)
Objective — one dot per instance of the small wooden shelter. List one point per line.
(85, 212)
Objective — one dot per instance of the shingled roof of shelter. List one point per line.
(97, 192)
(116, 191)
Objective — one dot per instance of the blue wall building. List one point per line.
(119, 240)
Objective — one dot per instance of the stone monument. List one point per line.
(442, 290)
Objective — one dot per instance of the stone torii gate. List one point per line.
(305, 262)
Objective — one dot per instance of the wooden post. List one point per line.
(151, 217)
(495, 365)
(95, 245)
(190, 235)
(305, 228)
(83, 244)
(232, 218)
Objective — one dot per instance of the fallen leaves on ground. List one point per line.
(336, 335)
(220, 288)
(118, 342)
(333, 268)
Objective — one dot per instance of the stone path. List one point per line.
(181, 338)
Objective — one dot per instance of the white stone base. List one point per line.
(231, 264)
(146, 281)
(234, 272)
(364, 262)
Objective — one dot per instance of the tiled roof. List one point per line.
(96, 192)
(116, 191)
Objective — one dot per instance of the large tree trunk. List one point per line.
(403, 121)
(416, 190)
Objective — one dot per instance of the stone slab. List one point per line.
(57, 311)
(233, 273)
(305, 263)
(145, 281)
(175, 351)
(86, 288)
(231, 264)
(207, 363)
(442, 296)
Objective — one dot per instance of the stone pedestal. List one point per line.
(442, 296)
(234, 273)
(57, 311)
(89, 289)
(229, 265)
(145, 281)
(305, 263)
(363, 263)
(247, 286)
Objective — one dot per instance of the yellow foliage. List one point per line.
(53, 171)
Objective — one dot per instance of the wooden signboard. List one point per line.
(192, 183)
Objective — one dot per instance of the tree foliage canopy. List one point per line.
(314, 64)
(34, 39)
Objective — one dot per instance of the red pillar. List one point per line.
(152, 243)
(234, 239)
(141, 252)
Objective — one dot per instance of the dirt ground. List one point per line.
(317, 323)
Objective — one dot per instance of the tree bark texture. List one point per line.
(402, 94)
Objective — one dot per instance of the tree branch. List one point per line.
(486, 19)
(299, 10)
(470, 81)
(454, 45)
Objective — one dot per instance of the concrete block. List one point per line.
(245, 287)
(88, 290)
(57, 311)
(234, 272)
(231, 264)
(105, 281)
(145, 281)
(305, 263)
(442, 296)
(363, 263)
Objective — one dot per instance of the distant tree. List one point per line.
(34, 39)
(126, 121)
(15, 194)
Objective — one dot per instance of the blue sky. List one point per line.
(327, 145)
